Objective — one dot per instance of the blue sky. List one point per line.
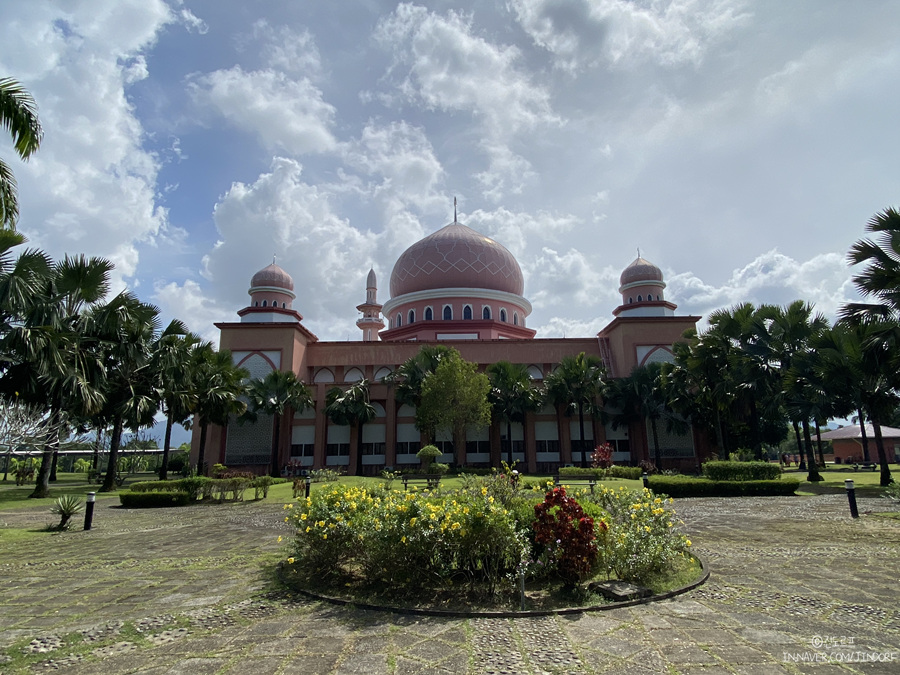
(741, 145)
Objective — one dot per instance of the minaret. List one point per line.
(370, 322)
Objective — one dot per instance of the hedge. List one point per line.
(741, 471)
(703, 487)
(629, 472)
(153, 500)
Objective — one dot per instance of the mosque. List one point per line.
(455, 287)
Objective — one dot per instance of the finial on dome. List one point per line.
(639, 251)
(273, 258)
(454, 209)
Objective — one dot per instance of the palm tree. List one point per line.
(408, 378)
(126, 328)
(170, 364)
(216, 389)
(18, 115)
(351, 407)
(50, 352)
(641, 397)
(512, 397)
(275, 394)
(577, 382)
(881, 277)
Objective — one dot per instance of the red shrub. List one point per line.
(566, 534)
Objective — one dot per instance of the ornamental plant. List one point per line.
(567, 535)
(642, 536)
(602, 456)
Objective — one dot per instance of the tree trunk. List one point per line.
(720, 437)
(95, 457)
(109, 480)
(201, 469)
(509, 448)
(563, 459)
(359, 448)
(42, 481)
(6, 466)
(53, 464)
(164, 469)
(813, 475)
(862, 432)
(754, 430)
(275, 470)
(800, 453)
(819, 445)
(581, 433)
(882, 457)
(656, 453)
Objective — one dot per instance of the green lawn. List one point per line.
(864, 481)
(13, 496)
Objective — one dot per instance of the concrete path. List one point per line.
(796, 587)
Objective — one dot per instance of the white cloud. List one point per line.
(771, 278)
(571, 278)
(516, 229)
(401, 156)
(194, 306)
(281, 214)
(584, 33)
(284, 113)
(91, 186)
(447, 67)
(288, 50)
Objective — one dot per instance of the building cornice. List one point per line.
(276, 289)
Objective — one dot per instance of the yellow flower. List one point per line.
(308, 528)
(285, 519)
(687, 542)
(490, 500)
(290, 506)
(455, 526)
(403, 538)
(646, 528)
(325, 536)
(302, 516)
(483, 491)
(279, 538)
(412, 521)
(290, 561)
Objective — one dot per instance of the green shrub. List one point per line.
(66, 507)
(639, 537)
(703, 487)
(261, 485)
(628, 472)
(153, 500)
(581, 472)
(81, 466)
(741, 471)
(438, 468)
(324, 475)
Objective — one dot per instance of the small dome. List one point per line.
(273, 277)
(370, 280)
(640, 270)
(456, 256)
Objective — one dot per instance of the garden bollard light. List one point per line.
(514, 479)
(851, 497)
(646, 478)
(308, 485)
(89, 510)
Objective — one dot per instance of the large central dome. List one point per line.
(456, 256)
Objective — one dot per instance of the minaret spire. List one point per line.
(454, 209)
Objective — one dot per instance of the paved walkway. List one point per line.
(795, 582)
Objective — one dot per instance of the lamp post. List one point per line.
(89, 510)
(851, 497)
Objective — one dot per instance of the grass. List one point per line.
(13, 496)
(865, 482)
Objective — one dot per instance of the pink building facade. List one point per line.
(459, 288)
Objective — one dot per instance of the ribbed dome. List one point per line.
(640, 270)
(273, 277)
(456, 256)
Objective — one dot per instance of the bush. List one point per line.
(703, 487)
(566, 535)
(629, 472)
(428, 455)
(324, 475)
(581, 472)
(741, 471)
(641, 538)
(66, 507)
(438, 468)
(153, 500)
(261, 485)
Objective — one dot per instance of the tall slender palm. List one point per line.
(577, 382)
(217, 386)
(170, 364)
(275, 394)
(351, 407)
(880, 279)
(512, 397)
(18, 116)
(641, 397)
(126, 329)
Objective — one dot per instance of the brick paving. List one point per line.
(796, 587)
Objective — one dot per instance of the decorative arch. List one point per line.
(503, 314)
(448, 313)
(659, 354)
(429, 314)
(467, 312)
(381, 373)
(535, 372)
(411, 317)
(353, 375)
(323, 376)
(486, 312)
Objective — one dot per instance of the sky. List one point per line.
(741, 146)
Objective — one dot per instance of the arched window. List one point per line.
(429, 314)
(369, 335)
(630, 300)
(640, 298)
(256, 304)
(412, 316)
(515, 318)
(503, 315)
(486, 312)
(448, 312)
(399, 320)
(265, 303)
(467, 312)
(283, 306)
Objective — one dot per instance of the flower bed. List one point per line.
(477, 541)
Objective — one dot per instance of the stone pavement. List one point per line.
(796, 587)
